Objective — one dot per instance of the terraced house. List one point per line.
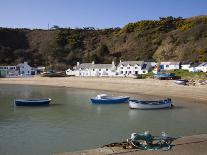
(92, 69)
(131, 68)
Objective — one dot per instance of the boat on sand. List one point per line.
(181, 82)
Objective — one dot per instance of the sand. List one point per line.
(160, 88)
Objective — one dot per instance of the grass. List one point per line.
(190, 75)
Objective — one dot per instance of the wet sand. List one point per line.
(154, 87)
(189, 145)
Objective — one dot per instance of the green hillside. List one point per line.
(174, 39)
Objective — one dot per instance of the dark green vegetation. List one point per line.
(173, 39)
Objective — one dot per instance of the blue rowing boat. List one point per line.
(32, 102)
(105, 99)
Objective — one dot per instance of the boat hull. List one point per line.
(181, 82)
(139, 105)
(109, 101)
(32, 102)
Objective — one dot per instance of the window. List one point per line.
(121, 67)
(136, 72)
(135, 67)
(99, 69)
(167, 66)
(121, 72)
(128, 67)
(130, 72)
(144, 71)
(107, 69)
(93, 69)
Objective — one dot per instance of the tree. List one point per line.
(103, 50)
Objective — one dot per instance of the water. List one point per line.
(72, 123)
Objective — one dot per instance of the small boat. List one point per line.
(105, 99)
(32, 102)
(160, 104)
(181, 82)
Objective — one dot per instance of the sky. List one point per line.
(92, 13)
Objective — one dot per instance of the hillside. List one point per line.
(174, 39)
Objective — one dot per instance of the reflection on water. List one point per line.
(73, 123)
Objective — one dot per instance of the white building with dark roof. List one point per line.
(92, 69)
(198, 67)
(186, 65)
(24, 69)
(103, 69)
(131, 68)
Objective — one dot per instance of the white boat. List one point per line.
(160, 104)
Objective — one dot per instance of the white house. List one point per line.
(169, 65)
(80, 69)
(103, 69)
(24, 69)
(7, 71)
(40, 69)
(92, 69)
(202, 67)
(193, 67)
(186, 65)
(131, 68)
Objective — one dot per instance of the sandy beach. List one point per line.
(160, 88)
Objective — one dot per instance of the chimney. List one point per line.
(120, 61)
(78, 63)
(92, 63)
(113, 63)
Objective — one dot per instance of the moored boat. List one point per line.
(181, 82)
(105, 99)
(32, 102)
(160, 104)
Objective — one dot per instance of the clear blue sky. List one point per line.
(95, 13)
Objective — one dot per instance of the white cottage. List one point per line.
(92, 69)
(201, 67)
(169, 65)
(186, 65)
(24, 69)
(103, 69)
(7, 71)
(80, 69)
(131, 68)
(193, 67)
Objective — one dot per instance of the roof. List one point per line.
(131, 63)
(92, 66)
(170, 63)
(82, 66)
(145, 65)
(23, 64)
(202, 64)
(195, 64)
(187, 62)
(99, 66)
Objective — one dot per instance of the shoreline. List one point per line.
(190, 145)
(148, 87)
